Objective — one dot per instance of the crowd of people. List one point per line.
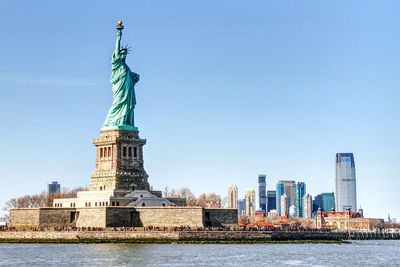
(174, 229)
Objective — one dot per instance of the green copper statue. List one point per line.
(121, 114)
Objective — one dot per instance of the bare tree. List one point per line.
(202, 200)
(10, 204)
(210, 200)
(166, 191)
(224, 201)
(191, 199)
(40, 200)
(213, 200)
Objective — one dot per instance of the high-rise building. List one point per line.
(271, 200)
(284, 187)
(250, 197)
(53, 188)
(307, 206)
(232, 196)
(241, 207)
(284, 205)
(292, 211)
(262, 188)
(345, 183)
(325, 201)
(299, 192)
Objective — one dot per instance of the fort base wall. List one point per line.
(122, 217)
(221, 217)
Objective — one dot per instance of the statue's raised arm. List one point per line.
(118, 43)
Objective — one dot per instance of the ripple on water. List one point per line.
(358, 253)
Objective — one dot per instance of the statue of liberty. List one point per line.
(121, 113)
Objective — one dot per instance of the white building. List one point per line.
(307, 206)
(250, 198)
(292, 211)
(284, 205)
(232, 196)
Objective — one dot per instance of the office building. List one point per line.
(241, 207)
(345, 183)
(250, 198)
(325, 201)
(271, 200)
(284, 205)
(307, 206)
(262, 188)
(232, 196)
(292, 211)
(299, 192)
(284, 187)
(53, 188)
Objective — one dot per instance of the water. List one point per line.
(359, 253)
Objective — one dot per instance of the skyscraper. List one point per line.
(232, 196)
(299, 192)
(307, 206)
(345, 182)
(262, 192)
(325, 201)
(241, 207)
(271, 200)
(284, 205)
(292, 211)
(250, 197)
(284, 187)
(52, 188)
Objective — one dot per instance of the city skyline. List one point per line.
(284, 80)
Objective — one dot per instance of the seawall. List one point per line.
(165, 236)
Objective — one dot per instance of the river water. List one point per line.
(358, 253)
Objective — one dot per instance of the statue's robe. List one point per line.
(123, 85)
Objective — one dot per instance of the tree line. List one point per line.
(41, 200)
(210, 200)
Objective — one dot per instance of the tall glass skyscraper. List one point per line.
(345, 182)
(279, 193)
(299, 192)
(325, 201)
(271, 200)
(53, 188)
(262, 188)
(241, 207)
(284, 187)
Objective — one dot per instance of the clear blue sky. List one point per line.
(228, 90)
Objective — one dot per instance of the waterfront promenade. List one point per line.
(163, 236)
(186, 234)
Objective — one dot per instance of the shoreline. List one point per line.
(164, 241)
(169, 237)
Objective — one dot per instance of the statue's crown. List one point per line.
(126, 48)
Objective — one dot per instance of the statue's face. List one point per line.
(123, 54)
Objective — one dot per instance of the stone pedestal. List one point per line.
(119, 162)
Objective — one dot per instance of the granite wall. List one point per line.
(55, 217)
(171, 216)
(91, 217)
(24, 218)
(122, 216)
(221, 217)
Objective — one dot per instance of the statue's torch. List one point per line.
(119, 26)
